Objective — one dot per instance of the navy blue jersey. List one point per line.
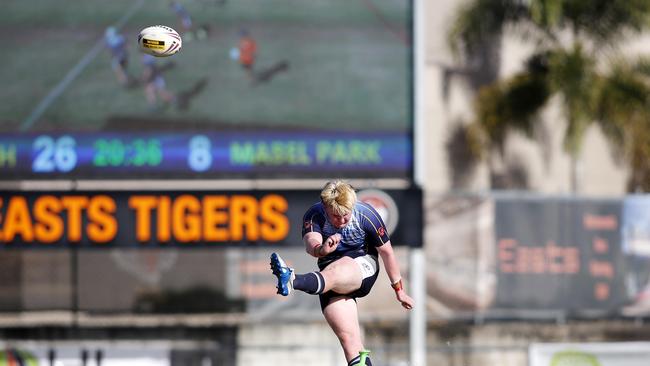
(363, 234)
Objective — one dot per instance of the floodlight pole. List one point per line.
(418, 316)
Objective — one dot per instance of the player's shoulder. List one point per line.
(315, 210)
(314, 218)
(364, 208)
(367, 213)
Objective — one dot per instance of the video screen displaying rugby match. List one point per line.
(272, 89)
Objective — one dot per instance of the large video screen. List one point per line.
(260, 89)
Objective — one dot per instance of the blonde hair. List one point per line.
(339, 196)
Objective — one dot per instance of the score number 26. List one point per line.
(54, 154)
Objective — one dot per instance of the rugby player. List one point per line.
(346, 236)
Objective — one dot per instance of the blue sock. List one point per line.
(355, 361)
(312, 283)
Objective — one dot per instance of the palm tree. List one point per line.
(573, 41)
(624, 115)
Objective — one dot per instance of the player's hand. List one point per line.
(406, 301)
(331, 243)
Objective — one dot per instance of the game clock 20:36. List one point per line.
(117, 153)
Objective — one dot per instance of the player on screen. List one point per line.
(116, 44)
(346, 236)
(155, 86)
(247, 53)
(184, 20)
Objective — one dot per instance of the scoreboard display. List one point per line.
(223, 154)
(329, 94)
(146, 219)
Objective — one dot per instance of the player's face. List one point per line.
(339, 221)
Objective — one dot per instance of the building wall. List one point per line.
(445, 100)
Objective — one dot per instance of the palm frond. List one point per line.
(546, 14)
(481, 20)
(511, 104)
(573, 75)
(623, 108)
(606, 21)
(642, 66)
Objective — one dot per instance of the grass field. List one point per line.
(347, 67)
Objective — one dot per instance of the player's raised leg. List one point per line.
(284, 274)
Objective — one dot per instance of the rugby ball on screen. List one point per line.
(159, 41)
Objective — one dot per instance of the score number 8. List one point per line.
(200, 157)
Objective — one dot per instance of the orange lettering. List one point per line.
(506, 255)
(600, 222)
(18, 220)
(601, 269)
(142, 206)
(102, 226)
(215, 218)
(243, 213)
(537, 260)
(163, 223)
(600, 245)
(275, 225)
(601, 291)
(571, 260)
(549, 259)
(49, 224)
(2, 238)
(74, 205)
(186, 224)
(553, 253)
(521, 260)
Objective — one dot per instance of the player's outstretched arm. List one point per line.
(392, 270)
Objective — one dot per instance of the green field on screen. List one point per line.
(347, 64)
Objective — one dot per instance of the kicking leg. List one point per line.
(342, 276)
(342, 316)
(284, 274)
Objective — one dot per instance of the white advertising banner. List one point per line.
(589, 354)
(84, 353)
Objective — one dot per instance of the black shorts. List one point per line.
(366, 283)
